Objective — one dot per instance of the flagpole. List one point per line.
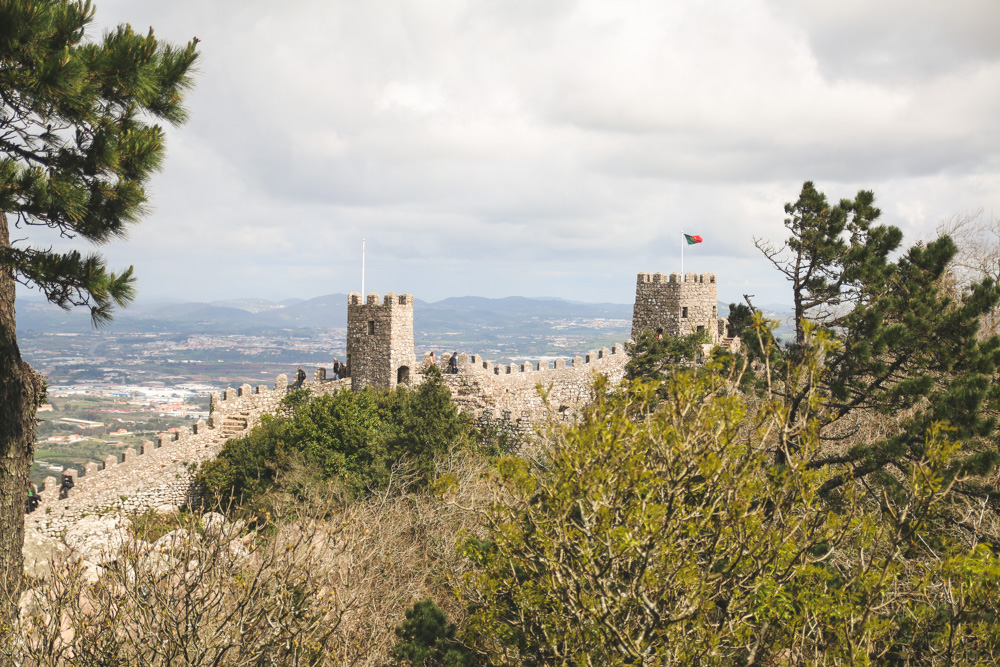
(682, 256)
(362, 271)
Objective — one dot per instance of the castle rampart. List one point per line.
(380, 351)
(481, 388)
(159, 472)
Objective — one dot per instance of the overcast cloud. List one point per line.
(550, 148)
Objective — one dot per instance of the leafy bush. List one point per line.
(354, 440)
(651, 357)
(665, 532)
(426, 638)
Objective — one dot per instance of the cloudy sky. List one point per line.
(550, 147)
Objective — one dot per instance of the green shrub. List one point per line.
(431, 426)
(345, 438)
(426, 638)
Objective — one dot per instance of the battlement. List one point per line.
(157, 472)
(389, 300)
(475, 364)
(479, 388)
(676, 278)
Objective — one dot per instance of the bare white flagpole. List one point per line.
(682, 256)
(362, 271)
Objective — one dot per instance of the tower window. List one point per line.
(684, 312)
(371, 327)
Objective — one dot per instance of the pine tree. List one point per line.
(78, 142)
(907, 351)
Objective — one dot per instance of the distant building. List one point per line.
(80, 423)
(65, 439)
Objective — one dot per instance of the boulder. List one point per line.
(238, 550)
(98, 539)
(174, 541)
(32, 603)
(40, 552)
(157, 564)
(213, 523)
(90, 573)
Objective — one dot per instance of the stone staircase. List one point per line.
(234, 425)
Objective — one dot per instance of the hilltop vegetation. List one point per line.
(364, 443)
(829, 501)
(658, 530)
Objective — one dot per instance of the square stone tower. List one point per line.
(380, 340)
(676, 305)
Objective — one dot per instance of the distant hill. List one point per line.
(330, 311)
(247, 316)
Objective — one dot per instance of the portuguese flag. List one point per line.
(692, 239)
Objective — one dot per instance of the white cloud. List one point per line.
(551, 148)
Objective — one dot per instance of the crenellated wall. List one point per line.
(381, 353)
(480, 387)
(157, 473)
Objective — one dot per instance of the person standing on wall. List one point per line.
(300, 377)
(33, 498)
(66, 486)
(453, 363)
(337, 368)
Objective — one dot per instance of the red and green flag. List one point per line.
(692, 239)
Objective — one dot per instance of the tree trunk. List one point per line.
(20, 393)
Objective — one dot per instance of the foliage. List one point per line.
(357, 440)
(653, 356)
(663, 532)
(431, 426)
(978, 239)
(426, 638)
(79, 140)
(152, 525)
(76, 144)
(908, 352)
(363, 561)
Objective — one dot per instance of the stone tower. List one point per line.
(380, 340)
(676, 305)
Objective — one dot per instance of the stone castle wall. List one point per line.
(677, 305)
(157, 473)
(517, 389)
(380, 349)
(380, 340)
